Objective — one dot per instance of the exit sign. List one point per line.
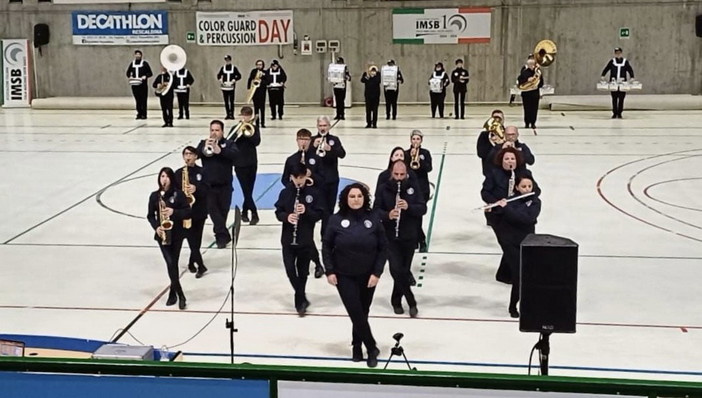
(624, 33)
(190, 37)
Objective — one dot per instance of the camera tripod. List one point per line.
(399, 351)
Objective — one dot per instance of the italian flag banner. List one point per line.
(441, 25)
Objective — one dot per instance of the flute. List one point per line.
(490, 206)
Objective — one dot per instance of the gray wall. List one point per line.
(663, 48)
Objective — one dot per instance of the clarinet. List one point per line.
(297, 201)
(397, 200)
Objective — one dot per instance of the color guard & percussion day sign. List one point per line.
(441, 25)
(253, 28)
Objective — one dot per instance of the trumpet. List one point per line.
(414, 162)
(397, 207)
(190, 198)
(246, 129)
(209, 147)
(165, 222)
(321, 152)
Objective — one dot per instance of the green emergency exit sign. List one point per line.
(190, 37)
(624, 33)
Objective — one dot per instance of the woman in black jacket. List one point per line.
(354, 250)
(168, 208)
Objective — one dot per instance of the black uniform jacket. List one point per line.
(261, 87)
(484, 147)
(355, 244)
(196, 175)
(247, 155)
(612, 69)
(425, 167)
(234, 75)
(144, 70)
(305, 225)
(525, 74)
(458, 85)
(294, 159)
(496, 185)
(520, 218)
(219, 166)
(386, 175)
(163, 77)
(274, 77)
(174, 199)
(410, 219)
(527, 155)
(372, 89)
(327, 166)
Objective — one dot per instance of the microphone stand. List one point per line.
(236, 227)
(544, 350)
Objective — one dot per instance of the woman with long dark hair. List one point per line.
(168, 208)
(354, 250)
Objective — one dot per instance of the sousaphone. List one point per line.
(172, 58)
(544, 55)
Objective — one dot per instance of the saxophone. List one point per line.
(190, 198)
(165, 222)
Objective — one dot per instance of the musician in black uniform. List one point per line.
(512, 96)
(340, 92)
(484, 146)
(419, 160)
(246, 166)
(138, 72)
(303, 138)
(530, 98)
(392, 92)
(512, 140)
(618, 67)
(168, 203)
(354, 249)
(228, 75)
(500, 184)
(459, 78)
(437, 89)
(397, 153)
(331, 150)
(276, 78)
(258, 74)
(218, 156)
(183, 81)
(197, 188)
(371, 79)
(519, 220)
(163, 82)
(298, 229)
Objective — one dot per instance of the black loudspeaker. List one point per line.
(549, 281)
(41, 35)
(698, 25)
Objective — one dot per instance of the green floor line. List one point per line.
(436, 196)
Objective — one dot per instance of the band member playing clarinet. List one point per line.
(340, 91)
(191, 180)
(419, 160)
(401, 208)
(218, 157)
(138, 72)
(258, 76)
(246, 166)
(298, 209)
(228, 75)
(618, 67)
(167, 210)
(164, 92)
(437, 89)
(531, 94)
(392, 91)
(183, 80)
(276, 78)
(371, 79)
(459, 78)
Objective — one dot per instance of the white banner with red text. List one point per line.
(254, 28)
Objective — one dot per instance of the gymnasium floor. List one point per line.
(78, 259)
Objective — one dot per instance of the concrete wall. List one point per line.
(663, 48)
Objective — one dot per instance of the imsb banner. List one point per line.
(244, 29)
(441, 25)
(120, 27)
(16, 73)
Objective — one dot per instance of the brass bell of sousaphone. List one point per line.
(172, 58)
(545, 52)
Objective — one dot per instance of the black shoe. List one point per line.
(413, 312)
(463, 117)
(318, 271)
(201, 271)
(398, 309)
(375, 127)
(533, 126)
(170, 124)
(172, 299)
(513, 313)
(526, 126)
(372, 360)
(412, 281)
(181, 303)
(263, 126)
(619, 116)
(138, 117)
(394, 117)
(187, 117)
(387, 117)
(342, 118)
(245, 216)
(456, 117)
(337, 117)
(273, 118)
(368, 126)
(614, 116)
(165, 125)
(192, 268)
(180, 117)
(357, 353)
(423, 247)
(254, 219)
(280, 117)
(302, 310)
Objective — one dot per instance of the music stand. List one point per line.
(399, 351)
(236, 227)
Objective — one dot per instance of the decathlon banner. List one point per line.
(96, 28)
(244, 29)
(441, 25)
(16, 73)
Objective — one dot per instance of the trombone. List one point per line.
(254, 86)
(243, 128)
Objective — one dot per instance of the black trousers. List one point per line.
(340, 96)
(171, 253)
(259, 105)
(372, 111)
(141, 93)
(277, 101)
(437, 102)
(508, 271)
(296, 260)
(400, 254)
(391, 103)
(183, 105)
(219, 201)
(229, 102)
(530, 102)
(459, 104)
(247, 179)
(194, 236)
(618, 102)
(166, 108)
(329, 193)
(357, 299)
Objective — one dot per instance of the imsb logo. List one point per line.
(15, 58)
(455, 23)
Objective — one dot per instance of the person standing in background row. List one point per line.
(437, 89)
(228, 75)
(138, 72)
(276, 78)
(618, 67)
(258, 77)
(459, 78)
(183, 80)
(392, 90)
(371, 80)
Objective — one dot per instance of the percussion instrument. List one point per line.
(336, 73)
(388, 75)
(436, 85)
